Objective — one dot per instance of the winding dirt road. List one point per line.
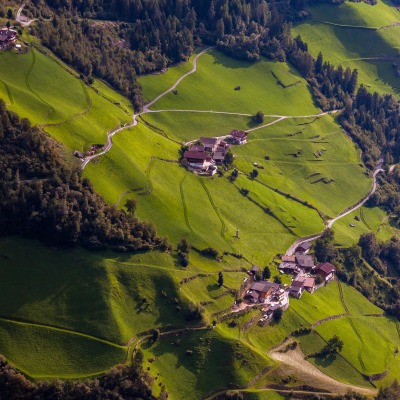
(312, 375)
(290, 251)
(24, 21)
(134, 122)
(146, 110)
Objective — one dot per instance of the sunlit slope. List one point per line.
(357, 35)
(48, 93)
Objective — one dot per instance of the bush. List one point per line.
(194, 312)
(278, 314)
(258, 118)
(210, 252)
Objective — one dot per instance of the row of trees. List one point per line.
(45, 197)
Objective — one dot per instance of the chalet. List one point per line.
(79, 154)
(197, 159)
(210, 144)
(303, 248)
(289, 259)
(305, 262)
(261, 292)
(289, 268)
(296, 289)
(196, 147)
(7, 38)
(254, 269)
(288, 265)
(219, 157)
(326, 271)
(239, 137)
(221, 149)
(309, 284)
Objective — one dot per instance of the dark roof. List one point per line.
(196, 155)
(326, 267)
(253, 294)
(263, 286)
(195, 147)
(209, 141)
(304, 246)
(219, 156)
(6, 34)
(238, 134)
(305, 260)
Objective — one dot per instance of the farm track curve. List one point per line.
(76, 115)
(185, 210)
(9, 94)
(223, 225)
(59, 329)
(146, 110)
(28, 85)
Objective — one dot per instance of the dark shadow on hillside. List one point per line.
(226, 61)
(325, 362)
(211, 358)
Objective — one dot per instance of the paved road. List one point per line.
(290, 251)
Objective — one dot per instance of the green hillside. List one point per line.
(348, 35)
(73, 113)
(74, 313)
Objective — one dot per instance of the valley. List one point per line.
(74, 314)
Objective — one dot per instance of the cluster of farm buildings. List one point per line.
(306, 276)
(204, 156)
(8, 38)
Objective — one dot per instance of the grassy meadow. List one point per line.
(211, 87)
(215, 363)
(70, 313)
(348, 35)
(70, 111)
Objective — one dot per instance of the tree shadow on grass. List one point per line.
(325, 362)
(229, 62)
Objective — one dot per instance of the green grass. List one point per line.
(155, 84)
(335, 366)
(353, 46)
(211, 87)
(331, 182)
(369, 343)
(356, 303)
(357, 14)
(371, 220)
(262, 338)
(216, 362)
(321, 304)
(128, 165)
(297, 217)
(45, 91)
(184, 127)
(44, 352)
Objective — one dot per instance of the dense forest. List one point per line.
(43, 196)
(120, 383)
(119, 40)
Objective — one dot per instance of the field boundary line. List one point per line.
(9, 94)
(60, 329)
(223, 225)
(185, 210)
(76, 115)
(51, 109)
